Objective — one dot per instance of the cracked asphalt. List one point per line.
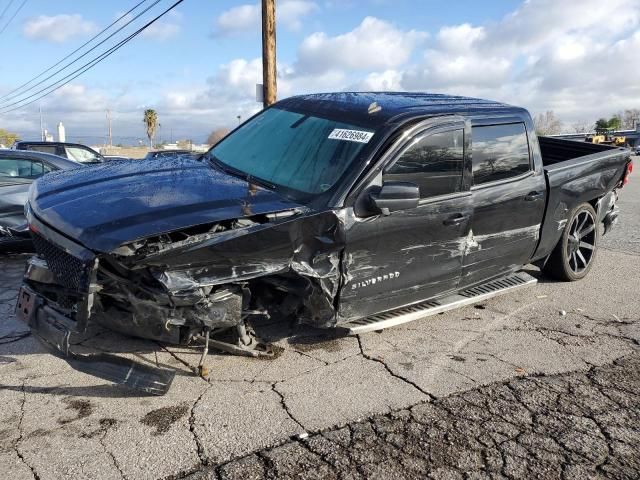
(540, 383)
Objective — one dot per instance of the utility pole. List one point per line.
(109, 134)
(269, 52)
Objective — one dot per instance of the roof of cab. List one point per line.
(373, 109)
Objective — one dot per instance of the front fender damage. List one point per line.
(207, 282)
(174, 287)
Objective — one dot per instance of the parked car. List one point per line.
(72, 151)
(110, 158)
(637, 149)
(351, 210)
(167, 154)
(18, 170)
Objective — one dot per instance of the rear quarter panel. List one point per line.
(570, 183)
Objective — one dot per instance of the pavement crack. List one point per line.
(391, 372)
(101, 440)
(285, 407)
(183, 362)
(16, 445)
(304, 444)
(204, 461)
(310, 356)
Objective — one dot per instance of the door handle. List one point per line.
(455, 220)
(532, 196)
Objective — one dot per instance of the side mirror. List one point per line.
(394, 196)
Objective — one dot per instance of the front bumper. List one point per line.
(58, 333)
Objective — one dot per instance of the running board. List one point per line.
(463, 298)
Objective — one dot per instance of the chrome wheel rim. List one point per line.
(581, 243)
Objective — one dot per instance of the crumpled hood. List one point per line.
(107, 205)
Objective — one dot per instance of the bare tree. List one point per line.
(547, 123)
(581, 126)
(629, 118)
(217, 135)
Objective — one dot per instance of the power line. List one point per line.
(13, 16)
(5, 9)
(88, 65)
(8, 94)
(11, 95)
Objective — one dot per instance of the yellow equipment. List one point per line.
(595, 139)
(605, 137)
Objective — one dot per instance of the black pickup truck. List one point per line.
(351, 210)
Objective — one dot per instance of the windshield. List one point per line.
(294, 150)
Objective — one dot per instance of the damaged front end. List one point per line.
(200, 282)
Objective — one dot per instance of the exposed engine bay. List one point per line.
(148, 289)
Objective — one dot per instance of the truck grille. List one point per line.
(71, 272)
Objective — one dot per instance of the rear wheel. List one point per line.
(573, 257)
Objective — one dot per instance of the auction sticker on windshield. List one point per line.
(351, 135)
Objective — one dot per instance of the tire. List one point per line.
(573, 256)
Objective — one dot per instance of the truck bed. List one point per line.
(556, 150)
(575, 172)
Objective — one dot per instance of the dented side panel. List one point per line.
(403, 258)
(505, 227)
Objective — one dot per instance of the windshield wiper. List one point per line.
(240, 174)
(261, 182)
(225, 168)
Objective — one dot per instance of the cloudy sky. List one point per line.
(199, 65)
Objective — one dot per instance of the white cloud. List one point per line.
(374, 44)
(58, 28)
(546, 55)
(388, 80)
(291, 12)
(459, 38)
(539, 24)
(237, 19)
(444, 69)
(248, 17)
(165, 29)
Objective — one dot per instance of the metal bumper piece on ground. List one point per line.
(55, 331)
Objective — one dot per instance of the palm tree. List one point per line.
(151, 122)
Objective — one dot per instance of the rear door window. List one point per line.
(434, 162)
(21, 169)
(499, 152)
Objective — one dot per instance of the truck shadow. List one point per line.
(540, 276)
(27, 353)
(95, 391)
